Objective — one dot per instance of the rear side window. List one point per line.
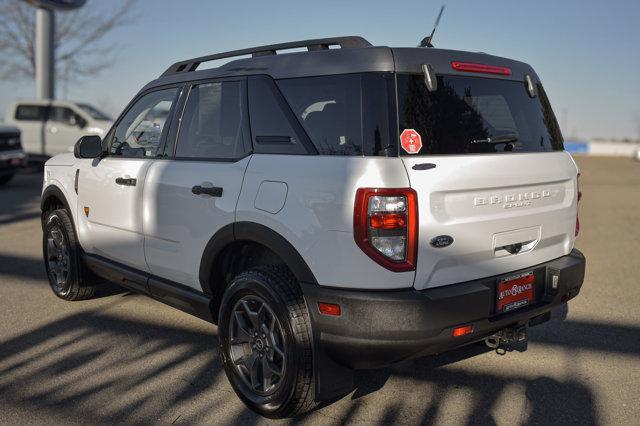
(213, 125)
(344, 114)
(30, 112)
(273, 126)
(476, 115)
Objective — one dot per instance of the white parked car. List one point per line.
(51, 127)
(329, 210)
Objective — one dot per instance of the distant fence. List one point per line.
(606, 148)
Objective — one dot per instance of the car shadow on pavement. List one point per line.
(32, 271)
(97, 367)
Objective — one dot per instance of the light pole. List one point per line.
(45, 67)
(44, 48)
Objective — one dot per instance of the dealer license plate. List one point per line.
(515, 292)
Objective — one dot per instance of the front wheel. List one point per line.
(265, 342)
(62, 258)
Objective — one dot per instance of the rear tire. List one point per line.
(62, 258)
(5, 179)
(265, 334)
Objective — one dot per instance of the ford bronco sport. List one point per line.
(329, 210)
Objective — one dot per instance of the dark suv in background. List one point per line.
(12, 157)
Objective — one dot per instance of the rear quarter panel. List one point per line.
(317, 216)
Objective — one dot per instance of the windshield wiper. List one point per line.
(498, 140)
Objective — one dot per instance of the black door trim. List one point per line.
(168, 292)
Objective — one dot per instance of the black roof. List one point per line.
(354, 55)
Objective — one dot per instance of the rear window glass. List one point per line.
(344, 114)
(30, 112)
(272, 123)
(476, 115)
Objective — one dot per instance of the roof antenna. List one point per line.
(426, 42)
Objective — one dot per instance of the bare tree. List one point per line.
(79, 44)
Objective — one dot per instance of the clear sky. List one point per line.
(587, 53)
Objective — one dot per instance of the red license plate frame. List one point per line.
(515, 292)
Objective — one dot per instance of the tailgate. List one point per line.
(504, 213)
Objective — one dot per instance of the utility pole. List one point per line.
(45, 61)
(45, 31)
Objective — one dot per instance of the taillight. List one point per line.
(579, 198)
(481, 68)
(385, 226)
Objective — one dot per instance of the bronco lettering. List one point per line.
(519, 199)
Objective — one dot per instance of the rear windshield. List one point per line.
(476, 115)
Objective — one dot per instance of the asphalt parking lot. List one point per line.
(124, 358)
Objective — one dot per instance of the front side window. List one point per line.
(213, 124)
(140, 131)
(476, 115)
(67, 116)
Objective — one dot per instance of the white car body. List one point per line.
(383, 203)
(293, 196)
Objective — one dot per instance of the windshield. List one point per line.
(94, 113)
(476, 115)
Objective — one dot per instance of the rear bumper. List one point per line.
(12, 161)
(383, 327)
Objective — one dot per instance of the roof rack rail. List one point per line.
(348, 42)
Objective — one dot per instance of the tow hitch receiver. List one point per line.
(506, 337)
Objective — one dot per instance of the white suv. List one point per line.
(329, 210)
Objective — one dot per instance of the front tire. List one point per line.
(62, 258)
(265, 342)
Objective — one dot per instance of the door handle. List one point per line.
(126, 181)
(214, 191)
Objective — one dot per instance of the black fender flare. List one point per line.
(254, 232)
(53, 191)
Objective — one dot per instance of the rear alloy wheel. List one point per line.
(265, 342)
(257, 346)
(62, 258)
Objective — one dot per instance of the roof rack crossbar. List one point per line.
(348, 42)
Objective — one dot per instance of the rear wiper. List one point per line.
(497, 139)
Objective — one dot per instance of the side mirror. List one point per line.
(89, 146)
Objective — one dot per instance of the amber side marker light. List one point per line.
(481, 68)
(462, 331)
(329, 309)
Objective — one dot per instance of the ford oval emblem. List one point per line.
(441, 241)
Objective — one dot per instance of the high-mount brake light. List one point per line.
(481, 68)
(385, 226)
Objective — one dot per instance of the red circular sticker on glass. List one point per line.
(411, 141)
